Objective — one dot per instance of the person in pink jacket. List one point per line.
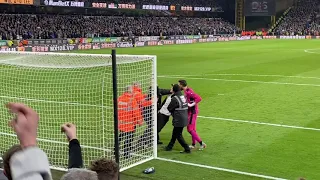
(193, 99)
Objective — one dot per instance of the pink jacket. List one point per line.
(191, 97)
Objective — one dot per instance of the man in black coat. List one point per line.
(146, 138)
(179, 110)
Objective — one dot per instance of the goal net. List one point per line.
(77, 88)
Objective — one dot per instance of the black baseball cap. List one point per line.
(176, 88)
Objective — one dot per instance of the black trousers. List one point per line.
(177, 135)
(161, 122)
(127, 137)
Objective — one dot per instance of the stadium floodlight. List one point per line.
(78, 88)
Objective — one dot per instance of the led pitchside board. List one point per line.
(259, 7)
(23, 2)
(63, 3)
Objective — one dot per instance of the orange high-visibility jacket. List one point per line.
(129, 113)
(140, 97)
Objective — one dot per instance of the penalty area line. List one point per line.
(220, 169)
(244, 81)
(260, 123)
(250, 75)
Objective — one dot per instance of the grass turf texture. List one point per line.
(219, 72)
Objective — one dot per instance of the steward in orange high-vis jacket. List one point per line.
(129, 115)
(145, 104)
(140, 97)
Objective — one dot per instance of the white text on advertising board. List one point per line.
(112, 6)
(186, 8)
(64, 3)
(155, 7)
(202, 8)
(126, 6)
(99, 5)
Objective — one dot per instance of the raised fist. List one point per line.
(70, 130)
(25, 123)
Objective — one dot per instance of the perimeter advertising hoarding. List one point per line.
(63, 3)
(202, 8)
(99, 5)
(156, 7)
(3, 43)
(24, 2)
(126, 6)
(70, 47)
(186, 8)
(259, 7)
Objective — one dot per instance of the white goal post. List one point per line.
(77, 88)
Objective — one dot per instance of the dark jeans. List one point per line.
(127, 137)
(177, 135)
(161, 122)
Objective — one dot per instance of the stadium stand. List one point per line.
(60, 26)
(314, 25)
(301, 20)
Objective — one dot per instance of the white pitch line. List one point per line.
(311, 51)
(260, 123)
(245, 81)
(251, 75)
(221, 169)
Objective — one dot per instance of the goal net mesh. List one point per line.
(76, 88)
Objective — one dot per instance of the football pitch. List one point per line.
(259, 114)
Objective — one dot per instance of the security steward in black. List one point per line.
(179, 110)
(160, 93)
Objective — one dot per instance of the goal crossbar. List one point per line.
(25, 59)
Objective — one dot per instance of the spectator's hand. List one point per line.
(25, 124)
(70, 130)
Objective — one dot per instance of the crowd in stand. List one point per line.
(26, 161)
(314, 25)
(301, 19)
(59, 26)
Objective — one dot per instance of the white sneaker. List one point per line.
(203, 146)
(191, 147)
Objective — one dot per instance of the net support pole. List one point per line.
(115, 107)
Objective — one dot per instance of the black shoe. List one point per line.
(159, 142)
(168, 149)
(185, 152)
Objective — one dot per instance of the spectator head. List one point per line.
(106, 169)
(176, 88)
(129, 89)
(80, 174)
(137, 86)
(6, 159)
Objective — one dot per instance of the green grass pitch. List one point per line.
(259, 113)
